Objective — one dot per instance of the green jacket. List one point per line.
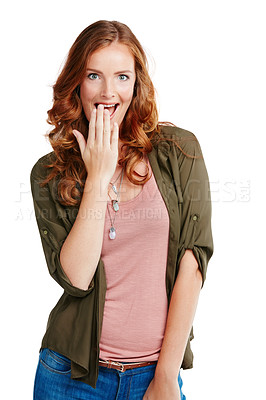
(74, 324)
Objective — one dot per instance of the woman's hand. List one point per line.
(100, 153)
(160, 389)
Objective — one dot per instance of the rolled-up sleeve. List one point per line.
(53, 228)
(196, 211)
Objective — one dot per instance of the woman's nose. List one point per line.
(108, 90)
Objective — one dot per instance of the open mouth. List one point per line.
(110, 107)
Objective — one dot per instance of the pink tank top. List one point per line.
(136, 304)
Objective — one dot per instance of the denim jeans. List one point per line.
(53, 382)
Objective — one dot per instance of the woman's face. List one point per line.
(109, 80)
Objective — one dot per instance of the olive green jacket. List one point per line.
(74, 324)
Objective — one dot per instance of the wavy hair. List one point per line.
(136, 131)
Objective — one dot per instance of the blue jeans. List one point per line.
(53, 382)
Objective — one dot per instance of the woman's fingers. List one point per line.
(106, 128)
(100, 152)
(114, 137)
(91, 133)
(81, 141)
(99, 126)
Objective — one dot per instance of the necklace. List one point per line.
(112, 231)
(115, 202)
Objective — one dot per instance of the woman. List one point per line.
(122, 205)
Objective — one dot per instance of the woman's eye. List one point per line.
(122, 77)
(93, 76)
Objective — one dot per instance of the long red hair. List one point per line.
(137, 129)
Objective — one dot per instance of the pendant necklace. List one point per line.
(112, 231)
(115, 202)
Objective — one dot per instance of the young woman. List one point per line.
(123, 209)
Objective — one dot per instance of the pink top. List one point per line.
(135, 265)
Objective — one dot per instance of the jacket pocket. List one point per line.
(55, 362)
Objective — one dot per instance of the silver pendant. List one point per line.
(115, 205)
(112, 233)
(114, 189)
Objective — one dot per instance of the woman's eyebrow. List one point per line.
(127, 71)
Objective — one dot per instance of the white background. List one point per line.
(208, 66)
